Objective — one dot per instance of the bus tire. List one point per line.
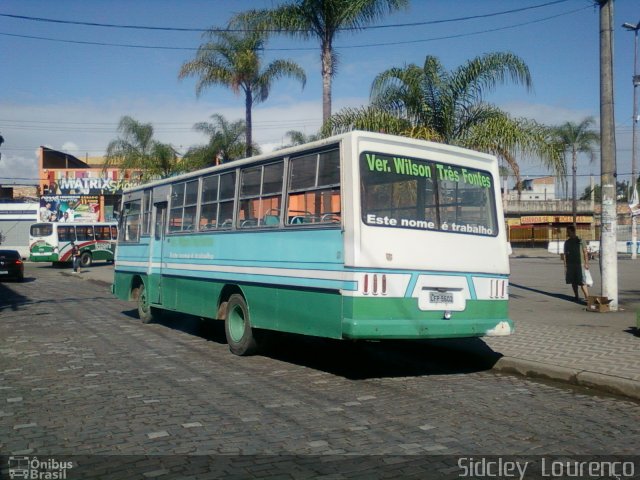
(86, 259)
(237, 327)
(146, 312)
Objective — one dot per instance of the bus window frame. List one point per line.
(65, 227)
(146, 211)
(184, 205)
(264, 215)
(41, 225)
(124, 231)
(308, 219)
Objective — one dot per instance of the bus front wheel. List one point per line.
(237, 327)
(145, 311)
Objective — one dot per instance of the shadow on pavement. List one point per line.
(560, 296)
(207, 329)
(11, 299)
(355, 360)
(381, 359)
(635, 331)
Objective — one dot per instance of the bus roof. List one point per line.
(318, 144)
(76, 223)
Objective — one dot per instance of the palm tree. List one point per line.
(432, 103)
(322, 19)
(226, 143)
(137, 150)
(576, 138)
(300, 138)
(233, 60)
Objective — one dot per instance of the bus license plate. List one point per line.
(440, 297)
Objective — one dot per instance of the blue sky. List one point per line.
(70, 96)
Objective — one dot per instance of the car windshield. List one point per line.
(9, 254)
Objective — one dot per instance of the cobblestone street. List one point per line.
(79, 374)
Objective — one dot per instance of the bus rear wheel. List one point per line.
(86, 259)
(237, 327)
(145, 311)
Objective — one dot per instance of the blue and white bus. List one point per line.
(357, 236)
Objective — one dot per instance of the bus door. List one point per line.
(155, 253)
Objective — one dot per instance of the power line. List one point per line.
(188, 29)
(406, 42)
(446, 37)
(115, 124)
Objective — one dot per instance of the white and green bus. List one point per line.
(51, 242)
(356, 236)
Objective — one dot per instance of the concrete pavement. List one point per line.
(559, 339)
(555, 337)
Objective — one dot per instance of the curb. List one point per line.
(584, 378)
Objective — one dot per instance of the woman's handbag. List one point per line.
(588, 279)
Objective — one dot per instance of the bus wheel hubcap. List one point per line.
(236, 324)
(143, 301)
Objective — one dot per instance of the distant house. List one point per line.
(543, 188)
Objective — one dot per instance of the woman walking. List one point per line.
(576, 260)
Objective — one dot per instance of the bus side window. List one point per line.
(314, 189)
(103, 233)
(84, 233)
(66, 233)
(260, 196)
(130, 231)
(114, 232)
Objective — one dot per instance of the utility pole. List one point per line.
(608, 234)
(634, 148)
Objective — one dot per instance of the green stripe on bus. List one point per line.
(323, 313)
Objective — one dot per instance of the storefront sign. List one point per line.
(555, 219)
(86, 182)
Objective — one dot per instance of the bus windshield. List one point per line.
(41, 230)
(419, 194)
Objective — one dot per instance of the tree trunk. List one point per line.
(248, 104)
(327, 74)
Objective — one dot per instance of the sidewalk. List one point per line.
(558, 339)
(561, 340)
(555, 337)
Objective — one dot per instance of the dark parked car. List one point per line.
(11, 265)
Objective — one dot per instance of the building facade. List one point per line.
(75, 190)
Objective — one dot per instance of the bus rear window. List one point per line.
(41, 230)
(418, 194)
